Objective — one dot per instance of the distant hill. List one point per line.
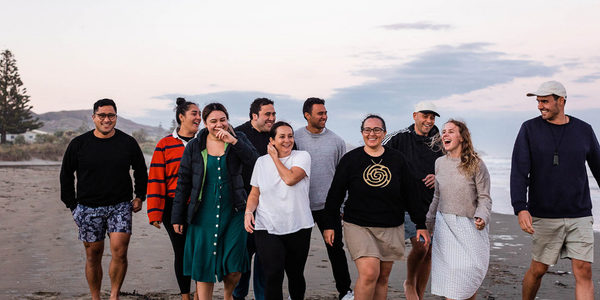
(74, 119)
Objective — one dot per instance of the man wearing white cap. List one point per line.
(414, 142)
(550, 192)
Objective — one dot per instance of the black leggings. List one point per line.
(178, 242)
(281, 253)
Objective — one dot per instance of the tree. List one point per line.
(15, 113)
(173, 125)
(140, 135)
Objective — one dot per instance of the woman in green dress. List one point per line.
(210, 176)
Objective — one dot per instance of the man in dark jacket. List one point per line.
(262, 118)
(415, 143)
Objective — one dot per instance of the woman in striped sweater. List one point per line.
(458, 217)
(162, 182)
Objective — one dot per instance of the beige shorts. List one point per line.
(568, 238)
(385, 243)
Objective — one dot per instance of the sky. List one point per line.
(475, 60)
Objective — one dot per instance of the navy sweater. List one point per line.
(555, 191)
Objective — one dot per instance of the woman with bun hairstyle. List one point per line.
(162, 181)
(458, 216)
(210, 179)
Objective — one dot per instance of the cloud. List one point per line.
(417, 26)
(393, 91)
(236, 102)
(440, 72)
(588, 78)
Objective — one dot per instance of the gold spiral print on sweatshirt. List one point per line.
(377, 175)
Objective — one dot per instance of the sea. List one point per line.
(499, 169)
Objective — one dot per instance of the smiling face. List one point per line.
(423, 122)
(318, 117)
(283, 141)
(190, 121)
(552, 110)
(105, 128)
(452, 139)
(372, 139)
(216, 120)
(265, 118)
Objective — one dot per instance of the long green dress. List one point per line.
(216, 239)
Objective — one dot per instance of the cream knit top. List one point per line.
(458, 194)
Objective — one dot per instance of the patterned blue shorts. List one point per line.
(93, 222)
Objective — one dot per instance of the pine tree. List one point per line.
(15, 113)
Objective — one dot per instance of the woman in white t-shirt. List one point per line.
(283, 223)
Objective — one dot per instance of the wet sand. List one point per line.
(41, 258)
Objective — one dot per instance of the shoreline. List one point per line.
(43, 259)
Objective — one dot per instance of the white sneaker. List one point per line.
(349, 296)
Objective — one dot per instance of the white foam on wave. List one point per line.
(499, 168)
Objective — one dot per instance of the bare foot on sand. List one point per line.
(410, 291)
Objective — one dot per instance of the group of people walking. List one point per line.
(227, 194)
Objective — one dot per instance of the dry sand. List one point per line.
(41, 258)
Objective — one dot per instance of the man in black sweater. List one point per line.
(414, 142)
(262, 118)
(102, 203)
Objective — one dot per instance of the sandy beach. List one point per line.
(41, 258)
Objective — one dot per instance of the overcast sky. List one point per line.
(475, 59)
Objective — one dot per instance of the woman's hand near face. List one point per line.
(225, 136)
(272, 151)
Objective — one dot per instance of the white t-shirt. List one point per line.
(282, 209)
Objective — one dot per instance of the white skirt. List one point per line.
(460, 256)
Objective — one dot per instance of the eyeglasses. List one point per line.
(111, 117)
(375, 130)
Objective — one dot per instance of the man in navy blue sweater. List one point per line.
(550, 191)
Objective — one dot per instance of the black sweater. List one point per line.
(379, 190)
(419, 154)
(102, 167)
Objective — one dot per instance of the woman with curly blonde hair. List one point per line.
(458, 216)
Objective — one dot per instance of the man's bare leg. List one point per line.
(93, 267)
(584, 287)
(533, 279)
(418, 268)
(119, 243)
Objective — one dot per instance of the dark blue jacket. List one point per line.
(191, 175)
(554, 191)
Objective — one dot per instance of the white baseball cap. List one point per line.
(548, 88)
(426, 107)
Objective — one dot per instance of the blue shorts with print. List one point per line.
(94, 222)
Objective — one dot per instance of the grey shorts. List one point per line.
(565, 238)
(410, 229)
(95, 222)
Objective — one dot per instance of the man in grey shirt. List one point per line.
(326, 149)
